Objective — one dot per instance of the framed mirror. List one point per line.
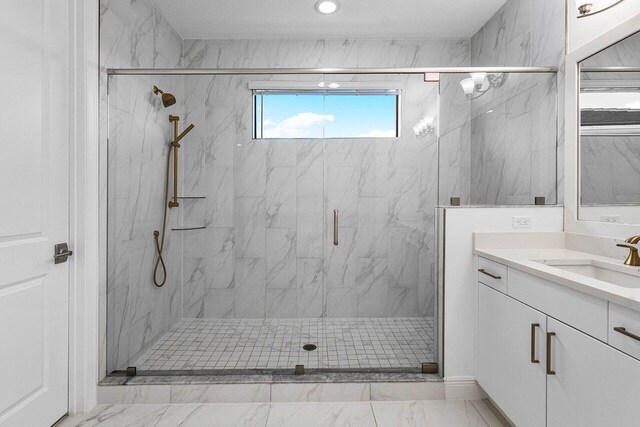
(609, 134)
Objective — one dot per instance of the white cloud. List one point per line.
(297, 126)
(377, 133)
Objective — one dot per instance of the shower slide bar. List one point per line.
(257, 71)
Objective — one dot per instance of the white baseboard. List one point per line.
(465, 388)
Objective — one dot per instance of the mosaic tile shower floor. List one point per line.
(351, 343)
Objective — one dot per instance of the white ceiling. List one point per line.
(274, 19)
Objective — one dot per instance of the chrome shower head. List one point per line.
(167, 99)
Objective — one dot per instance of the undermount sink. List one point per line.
(620, 275)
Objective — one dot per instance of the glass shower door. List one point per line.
(380, 193)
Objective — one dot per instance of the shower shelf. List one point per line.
(188, 228)
(191, 197)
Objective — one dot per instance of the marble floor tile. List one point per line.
(321, 415)
(437, 413)
(143, 415)
(440, 413)
(215, 415)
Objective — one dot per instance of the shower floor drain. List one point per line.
(309, 347)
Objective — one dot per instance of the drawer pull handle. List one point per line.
(493, 276)
(549, 370)
(533, 342)
(623, 331)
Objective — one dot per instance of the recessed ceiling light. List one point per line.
(327, 6)
(334, 85)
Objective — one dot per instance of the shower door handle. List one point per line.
(335, 227)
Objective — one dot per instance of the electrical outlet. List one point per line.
(522, 221)
(610, 218)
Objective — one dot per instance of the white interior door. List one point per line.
(34, 211)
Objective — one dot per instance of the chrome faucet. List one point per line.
(633, 258)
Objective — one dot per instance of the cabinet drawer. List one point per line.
(626, 339)
(492, 274)
(584, 312)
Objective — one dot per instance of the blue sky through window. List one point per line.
(327, 115)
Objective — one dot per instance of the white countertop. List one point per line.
(523, 260)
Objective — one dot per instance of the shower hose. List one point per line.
(156, 233)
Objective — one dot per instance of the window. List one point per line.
(337, 113)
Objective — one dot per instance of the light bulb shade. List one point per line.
(478, 78)
(468, 86)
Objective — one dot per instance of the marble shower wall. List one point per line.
(322, 53)
(267, 249)
(269, 203)
(134, 129)
(515, 152)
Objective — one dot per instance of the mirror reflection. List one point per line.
(610, 134)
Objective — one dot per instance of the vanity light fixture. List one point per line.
(586, 8)
(327, 7)
(480, 83)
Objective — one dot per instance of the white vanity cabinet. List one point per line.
(511, 356)
(593, 384)
(552, 373)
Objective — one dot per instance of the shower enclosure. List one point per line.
(301, 238)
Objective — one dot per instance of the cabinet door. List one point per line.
(593, 385)
(505, 367)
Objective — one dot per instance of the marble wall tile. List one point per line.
(219, 258)
(310, 169)
(372, 284)
(403, 256)
(402, 302)
(341, 260)
(372, 235)
(193, 287)
(134, 34)
(281, 303)
(250, 288)
(281, 192)
(134, 394)
(341, 302)
(344, 392)
(250, 227)
(220, 393)
(310, 221)
(310, 280)
(219, 303)
(281, 258)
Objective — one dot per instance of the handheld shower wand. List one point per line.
(168, 100)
